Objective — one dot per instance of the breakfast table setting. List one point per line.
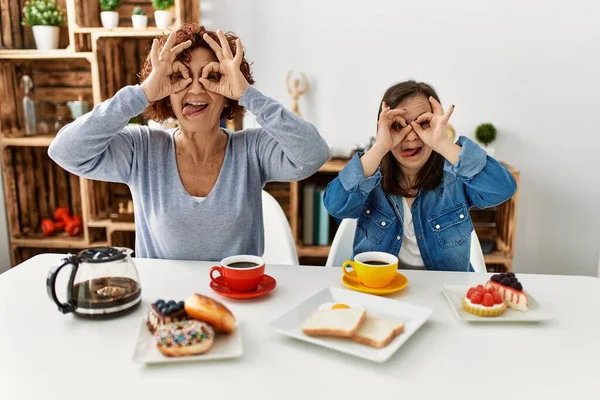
(102, 324)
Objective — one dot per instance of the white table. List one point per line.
(47, 355)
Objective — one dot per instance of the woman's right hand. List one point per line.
(391, 128)
(159, 85)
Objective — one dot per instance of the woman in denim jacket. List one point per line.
(412, 190)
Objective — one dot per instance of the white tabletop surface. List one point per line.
(47, 355)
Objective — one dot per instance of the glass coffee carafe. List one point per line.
(103, 283)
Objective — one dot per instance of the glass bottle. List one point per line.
(28, 107)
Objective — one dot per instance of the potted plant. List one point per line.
(139, 19)
(162, 12)
(45, 19)
(109, 14)
(486, 134)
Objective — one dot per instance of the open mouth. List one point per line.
(408, 153)
(191, 109)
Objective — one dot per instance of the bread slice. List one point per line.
(340, 322)
(377, 332)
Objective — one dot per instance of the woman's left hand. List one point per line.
(225, 77)
(431, 127)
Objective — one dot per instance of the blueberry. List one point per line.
(506, 281)
(159, 302)
(164, 309)
(181, 304)
(496, 278)
(510, 274)
(170, 302)
(172, 309)
(517, 286)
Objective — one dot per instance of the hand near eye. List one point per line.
(158, 84)
(225, 77)
(391, 128)
(433, 134)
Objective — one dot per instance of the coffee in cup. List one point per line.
(373, 269)
(240, 273)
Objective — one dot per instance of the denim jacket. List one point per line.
(441, 216)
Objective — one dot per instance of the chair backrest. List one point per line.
(341, 248)
(477, 260)
(280, 247)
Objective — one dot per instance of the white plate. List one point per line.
(413, 317)
(455, 294)
(225, 346)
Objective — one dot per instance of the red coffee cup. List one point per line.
(240, 273)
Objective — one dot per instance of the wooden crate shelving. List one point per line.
(91, 64)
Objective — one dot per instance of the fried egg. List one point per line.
(338, 306)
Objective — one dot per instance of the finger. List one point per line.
(181, 47)
(384, 110)
(448, 113)
(424, 117)
(213, 45)
(239, 52)
(167, 47)
(179, 67)
(210, 67)
(224, 45)
(397, 111)
(417, 128)
(154, 52)
(210, 86)
(399, 120)
(180, 85)
(436, 106)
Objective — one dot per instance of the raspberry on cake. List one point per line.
(510, 289)
(162, 313)
(483, 302)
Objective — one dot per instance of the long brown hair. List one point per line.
(430, 175)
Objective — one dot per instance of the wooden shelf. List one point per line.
(43, 55)
(27, 141)
(497, 257)
(65, 242)
(313, 251)
(334, 165)
(114, 226)
(124, 32)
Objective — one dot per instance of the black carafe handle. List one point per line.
(51, 285)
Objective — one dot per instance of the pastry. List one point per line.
(211, 311)
(184, 338)
(484, 302)
(162, 312)
(510, 289)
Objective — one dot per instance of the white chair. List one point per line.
(280, 247)
(341, 247)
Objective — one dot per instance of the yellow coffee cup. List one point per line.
(373, 269)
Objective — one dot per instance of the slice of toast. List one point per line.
(377, 332)
(340, 322)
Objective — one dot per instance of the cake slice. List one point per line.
(510, 289)
(162, 313)
(377, 332)
(338, 322)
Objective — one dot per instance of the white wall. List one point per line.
(529, 66)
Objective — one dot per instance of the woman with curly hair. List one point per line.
(196, 188)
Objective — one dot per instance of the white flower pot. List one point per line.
(110, 19)
(139, 21)
(46, 36)
(162, 18)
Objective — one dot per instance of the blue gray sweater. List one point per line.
(169, 222)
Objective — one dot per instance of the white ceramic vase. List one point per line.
(110, 19)
(162, 18)
(139, 21)
(46, 37)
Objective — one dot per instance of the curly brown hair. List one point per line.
(160, 110)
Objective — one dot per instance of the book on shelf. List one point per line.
(317, 224)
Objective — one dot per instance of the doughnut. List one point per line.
(211, 311)
(184, 338)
